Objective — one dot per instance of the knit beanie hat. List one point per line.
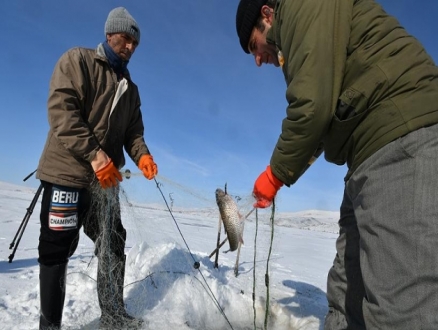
(120, 21)
(248, 12)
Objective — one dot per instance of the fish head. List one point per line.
(220, 193)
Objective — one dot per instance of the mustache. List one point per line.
(126, 52)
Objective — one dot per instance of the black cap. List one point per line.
(247, 14)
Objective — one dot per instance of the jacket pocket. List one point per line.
(348, 115)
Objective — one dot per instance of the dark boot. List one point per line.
(52, 295)
(110, 281)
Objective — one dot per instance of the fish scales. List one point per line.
(233, 221)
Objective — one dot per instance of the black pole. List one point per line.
(23, 224)
(29, 175)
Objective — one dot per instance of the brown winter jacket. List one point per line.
(356, 80)
(82, 91)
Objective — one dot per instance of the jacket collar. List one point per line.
(100, 55)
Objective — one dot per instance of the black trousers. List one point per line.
(64, 211)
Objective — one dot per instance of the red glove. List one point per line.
(265, 188)
(108, 175)
(148, 166)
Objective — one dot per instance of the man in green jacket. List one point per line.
(94, 115)
(364, 92)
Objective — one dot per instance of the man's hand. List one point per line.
(265, 188)
(147, 165)
(107, 174)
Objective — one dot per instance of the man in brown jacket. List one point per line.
(94, 113)
(364, 92)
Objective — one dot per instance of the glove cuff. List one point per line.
(104, 168)
(145, 158)
(273, 179)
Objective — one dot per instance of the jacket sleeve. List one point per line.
(134, 144)
(66, 103)
(312, 36)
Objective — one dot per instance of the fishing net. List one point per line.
(169, 274)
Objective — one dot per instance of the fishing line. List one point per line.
(107, 231)
(254, 269)
(184, 189)
(106, 257)
(196, 264)
(267, 267)
(267, 264)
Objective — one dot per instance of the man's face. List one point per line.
(263, 52)
(123, 44)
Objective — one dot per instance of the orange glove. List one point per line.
(148, 166)
(108, 175)
(265, 188)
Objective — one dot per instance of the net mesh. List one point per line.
(167, 269)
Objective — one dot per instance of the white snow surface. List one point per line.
(161, 284)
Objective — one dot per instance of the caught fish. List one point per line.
(232, 219)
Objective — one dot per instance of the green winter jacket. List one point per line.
(89, 109)
(356, 80)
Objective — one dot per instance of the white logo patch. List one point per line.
(62, 221)
(65, 197)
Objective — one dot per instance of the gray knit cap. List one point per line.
(120, 21)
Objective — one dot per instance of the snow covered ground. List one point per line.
(161, 284)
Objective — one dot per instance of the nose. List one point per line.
(132, 45)
(258, 60)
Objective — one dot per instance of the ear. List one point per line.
(267, 13)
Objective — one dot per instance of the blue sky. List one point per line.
(211, 116)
